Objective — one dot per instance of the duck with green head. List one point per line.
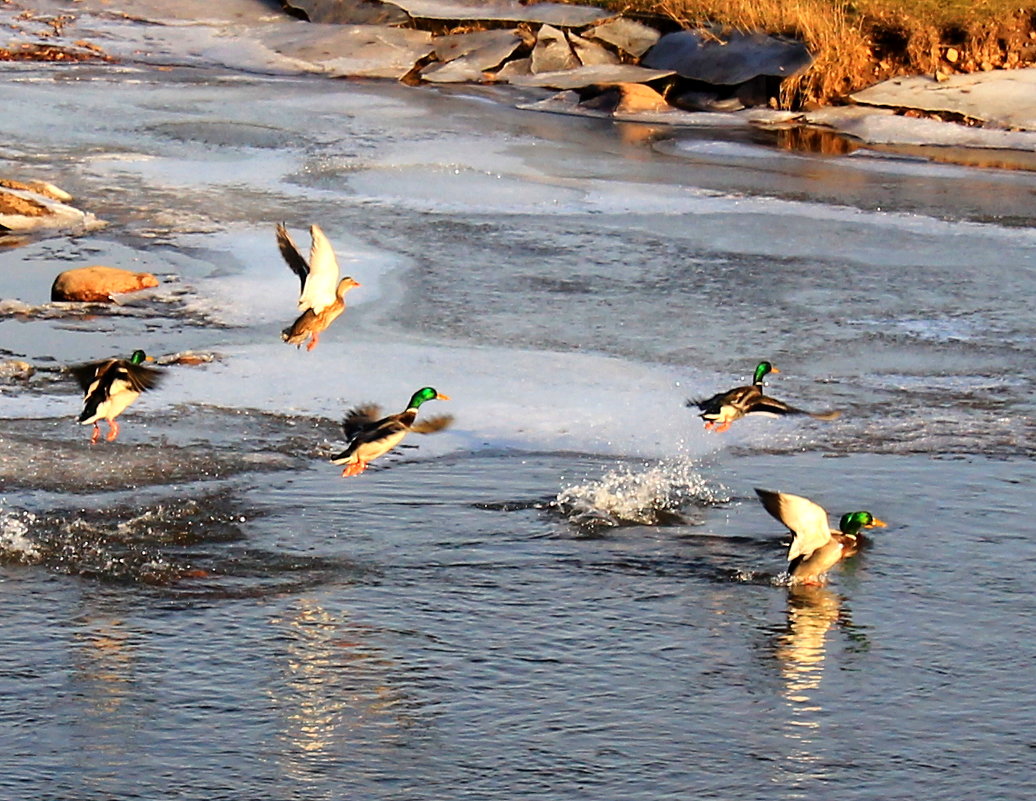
(815, 547)
(371, 435)
(724, 408)
(110, 386)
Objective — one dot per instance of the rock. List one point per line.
(1003, 99)
(628, 35)
(187, 357)
(698, 56)
(16, 369)
(637, 98)
(38, 187)
(347, 12)
(34, 205)
(98, 284)
(517, 68)
(601, 74)
(466, 56)
(590, 53)
(552, 52)
(563, 14)
(367, 51)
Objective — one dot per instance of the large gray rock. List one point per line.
(743, 57)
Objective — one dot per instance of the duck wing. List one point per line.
(432, 424)
(777, 408)
(361, 418)
(805, 519)
(321, 286)
(139, 378)
(291, 255)
(86, 374)
(739, 398)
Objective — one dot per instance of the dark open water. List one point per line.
(205, 609)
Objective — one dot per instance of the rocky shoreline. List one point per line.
(582, 60)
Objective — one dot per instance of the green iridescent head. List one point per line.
(762, 370)
(425, 394)
(138, 357)
(852, 522)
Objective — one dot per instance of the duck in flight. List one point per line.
(322, 296)
(371, 435)
(724, 408)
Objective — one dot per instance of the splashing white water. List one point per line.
(15, 543)
(651, 496)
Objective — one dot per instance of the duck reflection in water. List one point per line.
(801, 649)
(336, 691)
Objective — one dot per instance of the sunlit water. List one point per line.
(571, 593)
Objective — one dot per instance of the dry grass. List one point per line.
(858, 43)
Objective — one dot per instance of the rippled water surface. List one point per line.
(571, 593)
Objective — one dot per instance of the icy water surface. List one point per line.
(571, 593)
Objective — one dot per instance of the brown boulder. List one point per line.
(98, 284)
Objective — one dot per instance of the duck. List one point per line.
(724, 408)
(110, 387)
(815, 547)
(371, 435)
(322, 294)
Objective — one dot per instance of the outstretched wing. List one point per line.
(320, 287)
(432, 424)
(776, 408)
(140, 378)
(360, 418)
(292, 256)
(705, 404)
(86, 374)
(805, 519)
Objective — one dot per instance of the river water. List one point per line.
(572, 593)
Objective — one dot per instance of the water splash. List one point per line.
(656, 495)
(16, 545)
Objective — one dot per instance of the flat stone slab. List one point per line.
(559, 14)
(883, 127)
(362, 51)
(552, 52)
(466, 56)
(590, 76)
(568, 102)
(627, 35)
(1004, 98)
(35, 206)
(349, 12)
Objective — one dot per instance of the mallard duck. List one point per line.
(371, 436)
(111, 386)
(322, 297)
(815, 546)
(724, 408)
